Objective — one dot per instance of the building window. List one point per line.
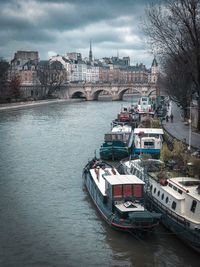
(193, 207)
(167, 199)
(173, 205)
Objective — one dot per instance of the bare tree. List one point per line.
(14, 87)
(174, 32)
(4, 66)
(52, 76)
(176, 82)
(57, 77)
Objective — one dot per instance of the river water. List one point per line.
(46, 216)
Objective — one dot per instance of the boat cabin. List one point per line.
(145, 105)
(185, 189)
(119, 133)
(148, 140)
(124, 193)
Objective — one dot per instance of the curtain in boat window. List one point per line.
(127, 190)
(137, 190)
(117, 191)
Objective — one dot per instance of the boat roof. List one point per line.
(148, 130)
(188, 184)
(122, 129)
(121, 179)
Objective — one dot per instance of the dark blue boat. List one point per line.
(118, 198)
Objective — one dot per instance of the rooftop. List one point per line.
(123, 179)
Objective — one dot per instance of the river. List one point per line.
(46, 216)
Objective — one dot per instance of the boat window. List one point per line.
(175, 188)
(193, 207)
(117, 190)
(162, 196)
(158, 193)
(108, 137)
(180, 191)
(170, 185)
(137, 190)
(167, 199)
(127, 190)
(148, 144)
(173, 205)
(154, 190)
(151, 188)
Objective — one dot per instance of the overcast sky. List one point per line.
(57, 27)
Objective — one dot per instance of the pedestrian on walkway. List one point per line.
(167, 118)
(171, 117)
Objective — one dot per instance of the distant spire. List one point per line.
(117, 53)
(90, 53)
(154, 63)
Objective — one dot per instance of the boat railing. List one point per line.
(178, 218)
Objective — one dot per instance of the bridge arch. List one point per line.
(78, 94)
(95, 94)
(124, 90)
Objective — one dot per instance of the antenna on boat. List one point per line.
(95, 156)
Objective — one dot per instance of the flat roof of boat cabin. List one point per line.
(149, 130)
(123, 129)
(123, 179)
(192, 189)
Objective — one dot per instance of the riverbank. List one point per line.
(18, 105)
(181, 131)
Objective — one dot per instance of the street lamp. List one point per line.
(190, 128)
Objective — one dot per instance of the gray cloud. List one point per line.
(62, 26)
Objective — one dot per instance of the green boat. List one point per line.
(117, 143)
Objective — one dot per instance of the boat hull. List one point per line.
(146, 150)
(113, 152)
(180, 229)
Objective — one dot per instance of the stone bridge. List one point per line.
(91, 91)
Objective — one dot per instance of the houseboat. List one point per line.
(118, 198)
(148, 141)
(145, 106)
(176, 198)
(127, 115)
(117, 143)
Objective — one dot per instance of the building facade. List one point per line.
(60, 70)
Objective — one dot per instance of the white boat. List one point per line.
(148, 140)
(145, 106)
(176, 198)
